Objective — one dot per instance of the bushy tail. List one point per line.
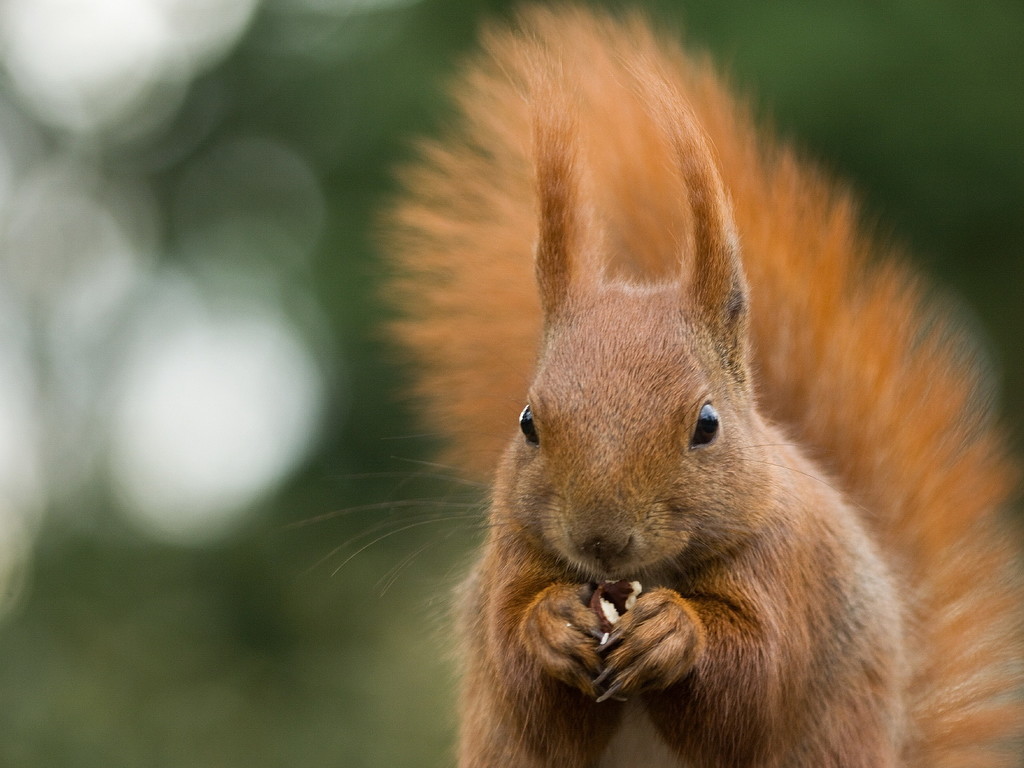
(864, 370)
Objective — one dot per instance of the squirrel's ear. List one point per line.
(560, 230)
(718, 289)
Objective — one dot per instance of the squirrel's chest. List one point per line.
(636, 742)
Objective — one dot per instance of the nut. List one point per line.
(611, 599)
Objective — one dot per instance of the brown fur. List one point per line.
(829, 582)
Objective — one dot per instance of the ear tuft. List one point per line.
(718, 289)
(560, 232)
(736, 306)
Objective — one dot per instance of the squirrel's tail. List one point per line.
(864, 369)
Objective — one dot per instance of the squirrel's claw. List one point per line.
(605, 674)
(597, 634)
(611, 692)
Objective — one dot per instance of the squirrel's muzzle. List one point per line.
(609, 550)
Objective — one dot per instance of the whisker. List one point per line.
(385, 582)
(388, 580)
(771, 445)
(432, 512)
(436, 465)
(818, 479)
(377, 505)
(426, 514)
(409, 526)
(406, 476)
(414, 436)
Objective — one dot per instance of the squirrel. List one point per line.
(728, 392)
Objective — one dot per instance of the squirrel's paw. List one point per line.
(653, 646)
(560, 632)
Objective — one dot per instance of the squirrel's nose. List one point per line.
(606, 548)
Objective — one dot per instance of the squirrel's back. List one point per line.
(850, 355)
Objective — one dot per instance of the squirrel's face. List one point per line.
(634, 450)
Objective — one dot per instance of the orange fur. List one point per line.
(831, 582)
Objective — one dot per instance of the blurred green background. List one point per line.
(220, 544)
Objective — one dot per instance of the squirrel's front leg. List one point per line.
(653, 646)
(561, 633)
(528, 695)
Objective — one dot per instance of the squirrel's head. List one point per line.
(635, 446)
(640, 415)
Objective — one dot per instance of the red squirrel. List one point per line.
(726, 392)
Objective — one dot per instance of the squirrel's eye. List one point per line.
(707, 426)
(526, 424)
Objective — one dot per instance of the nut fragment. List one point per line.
(611, 599)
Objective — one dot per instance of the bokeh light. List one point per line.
(190, 392)
(85, 64)
(214, 410)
